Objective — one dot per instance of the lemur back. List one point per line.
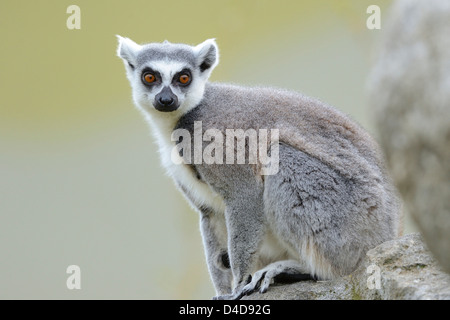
(329, 201)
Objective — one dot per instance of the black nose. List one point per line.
(166, 100)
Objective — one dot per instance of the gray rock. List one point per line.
(409, 91)
(404, 267)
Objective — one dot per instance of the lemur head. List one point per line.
(167, 77)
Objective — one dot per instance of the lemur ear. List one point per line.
(128, 50)
(207, 55)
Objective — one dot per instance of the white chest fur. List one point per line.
(200, 192)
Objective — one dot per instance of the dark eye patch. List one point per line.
(154, 72)
(176, 78)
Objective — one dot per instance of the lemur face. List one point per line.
(168, 77)
(165, 84)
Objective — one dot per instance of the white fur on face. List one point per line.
(167, 69)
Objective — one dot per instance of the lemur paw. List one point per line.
(261, 280)
(238, 292)
(227, 297)
(283, 272)
(234, 296)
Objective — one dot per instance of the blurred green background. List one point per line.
(80, 179)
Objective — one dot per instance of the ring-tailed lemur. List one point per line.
(329, 201)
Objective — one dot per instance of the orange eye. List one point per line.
(184, 79)
(149, 78)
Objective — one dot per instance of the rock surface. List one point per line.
(399, 269)
(409, 91)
